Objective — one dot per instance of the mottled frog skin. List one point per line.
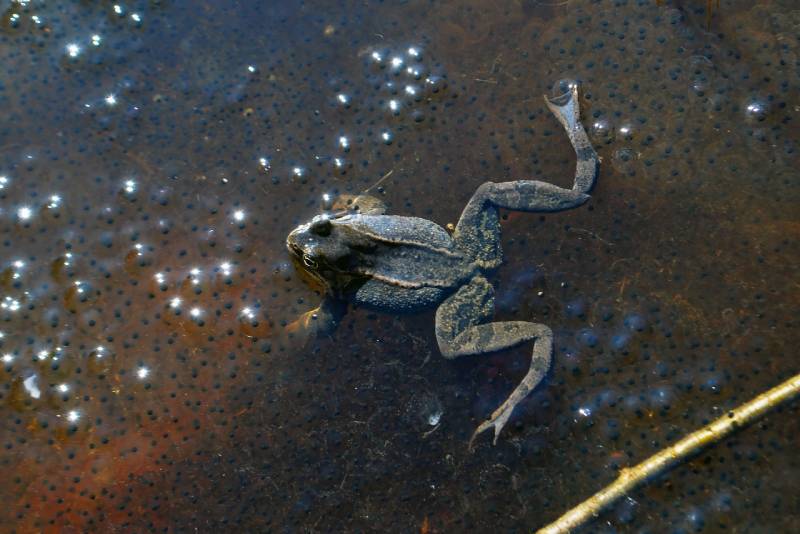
(404, 264)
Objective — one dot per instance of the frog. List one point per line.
(399, 264)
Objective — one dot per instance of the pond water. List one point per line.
(154, 155)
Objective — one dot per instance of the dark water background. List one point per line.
(152, 377)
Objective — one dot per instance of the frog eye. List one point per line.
(322, 227)
(309, 262)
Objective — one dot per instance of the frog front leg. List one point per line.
(320, 321)
(461, 330)
(478, 228)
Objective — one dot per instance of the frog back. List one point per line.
(411, 252)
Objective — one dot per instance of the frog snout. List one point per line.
(292, 243)
(297, 233)
(301, 245)
(293, 248)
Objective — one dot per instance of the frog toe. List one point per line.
(498, 421)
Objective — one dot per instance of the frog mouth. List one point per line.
(300, 257)
(309, 276)
(294, 249)
(306, 272)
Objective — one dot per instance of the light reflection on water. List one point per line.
(154, 157)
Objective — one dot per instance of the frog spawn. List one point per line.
(628, 252)
(76, 365)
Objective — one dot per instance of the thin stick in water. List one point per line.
(631, 477)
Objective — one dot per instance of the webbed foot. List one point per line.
(566, 108)
(498, 421)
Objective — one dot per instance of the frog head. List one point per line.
(331, 251)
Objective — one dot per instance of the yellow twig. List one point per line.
(711, 433)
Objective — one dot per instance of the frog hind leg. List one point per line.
(462, 330)
(478, 228)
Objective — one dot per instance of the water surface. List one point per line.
(154, 156)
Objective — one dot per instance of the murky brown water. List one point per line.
(155, 154)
